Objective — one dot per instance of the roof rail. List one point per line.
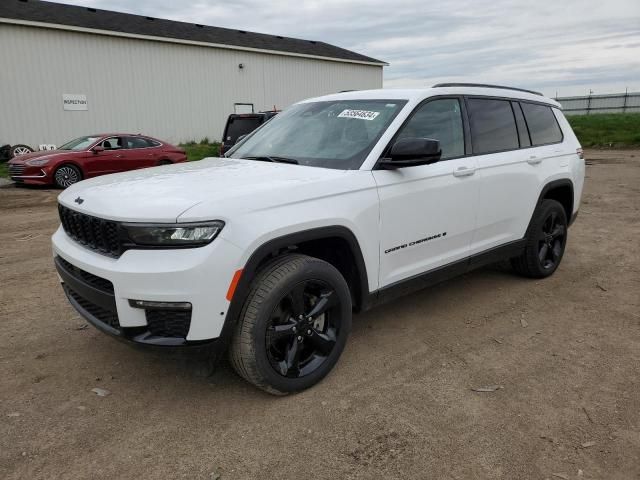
(482, 85)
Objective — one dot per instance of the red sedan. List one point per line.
(90, 156)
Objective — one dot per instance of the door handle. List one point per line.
(533, 160)
(119, 156)
(464, 171)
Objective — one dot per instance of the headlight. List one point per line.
(37, 162)
(177, 235)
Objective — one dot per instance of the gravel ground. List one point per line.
(565, 352)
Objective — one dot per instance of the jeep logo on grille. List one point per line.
(79, 200)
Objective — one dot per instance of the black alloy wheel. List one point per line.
(551, 242)
(545, 241)
(294, 324)
(303, 329)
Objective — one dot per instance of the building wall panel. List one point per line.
(172, 91)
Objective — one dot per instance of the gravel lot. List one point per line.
(566, 352)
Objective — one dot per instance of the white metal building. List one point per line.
(68, 71)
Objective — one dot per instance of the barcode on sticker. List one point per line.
(362, 114)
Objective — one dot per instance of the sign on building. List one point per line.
(74, 102)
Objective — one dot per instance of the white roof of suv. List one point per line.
(419, 94)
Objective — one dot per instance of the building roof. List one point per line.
(56, 15)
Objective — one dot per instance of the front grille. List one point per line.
(103, 315)
(93, 280)
(94, 233)
(169, 323)
(16, 169)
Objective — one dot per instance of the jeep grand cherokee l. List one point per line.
(335, 205)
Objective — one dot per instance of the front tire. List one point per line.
(293, 326)
(66, 175)
(545, 241)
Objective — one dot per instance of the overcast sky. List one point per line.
(563, 46)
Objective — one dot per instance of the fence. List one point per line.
(612, 103)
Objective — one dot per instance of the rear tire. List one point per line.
(164, 162)
(66, 175)
(17, 150)
(546, 239)
(293, 326)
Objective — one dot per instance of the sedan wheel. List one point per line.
(66, 176)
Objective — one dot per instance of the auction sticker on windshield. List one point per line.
(362, 114)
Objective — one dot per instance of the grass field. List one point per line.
(198, 151)
(618, 130)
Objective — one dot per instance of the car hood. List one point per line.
(222, 186)
(43, 153)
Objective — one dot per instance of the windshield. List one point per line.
(79, 144)
(333, 134)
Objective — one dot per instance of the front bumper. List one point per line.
(22, 173)
(573, 217)
(100, 288)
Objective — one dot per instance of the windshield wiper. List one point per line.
(265, 158)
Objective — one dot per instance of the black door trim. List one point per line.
(446, 272)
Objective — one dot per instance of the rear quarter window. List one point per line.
(493, 125)
(542, 123)
(137, 142)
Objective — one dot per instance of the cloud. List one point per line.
(567, 47)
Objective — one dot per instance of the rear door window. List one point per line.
(542, 123)
(493, 125)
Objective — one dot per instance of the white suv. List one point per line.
(333, 206)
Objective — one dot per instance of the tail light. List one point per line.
(580, 153)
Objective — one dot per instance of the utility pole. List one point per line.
(589, 101)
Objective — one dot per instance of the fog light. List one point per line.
(160, 305)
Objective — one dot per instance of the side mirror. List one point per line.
(411, 152)
(97, 149)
